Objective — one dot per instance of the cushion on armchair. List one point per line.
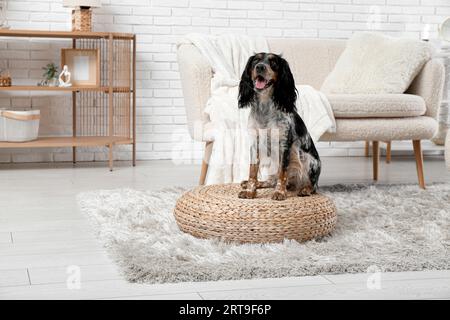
(373, 63)
(376, 105)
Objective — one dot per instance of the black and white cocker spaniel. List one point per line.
(267, 87)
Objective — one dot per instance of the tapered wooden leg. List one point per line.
(388, 152)
(205, 162)
(74, 117)
(376, 158)
(203, 172)
(110, 157)
(366, 149)
(419, 162)
(134, 154)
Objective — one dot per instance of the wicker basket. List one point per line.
(82, 19)
(216, 212)
(5, 81)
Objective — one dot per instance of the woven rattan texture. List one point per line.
(82, 20)
(215, 211)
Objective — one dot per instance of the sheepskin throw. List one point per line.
(374, 63)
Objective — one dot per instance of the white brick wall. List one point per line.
(158, 24)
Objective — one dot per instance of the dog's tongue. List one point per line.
(260, 83)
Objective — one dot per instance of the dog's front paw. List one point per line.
(244, 184)
(247, 194)
(279, 195)
(305, 192)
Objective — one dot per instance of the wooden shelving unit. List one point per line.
(53, 142)
(104, 115)
(68, 89)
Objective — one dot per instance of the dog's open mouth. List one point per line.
(262, 83)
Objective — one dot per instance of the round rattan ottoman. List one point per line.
(215, 211)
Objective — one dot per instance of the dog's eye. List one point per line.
(273, 64)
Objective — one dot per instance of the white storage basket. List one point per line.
(19, 126)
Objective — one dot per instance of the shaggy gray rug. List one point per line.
(386, 228)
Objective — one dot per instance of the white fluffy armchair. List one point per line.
(359, 117)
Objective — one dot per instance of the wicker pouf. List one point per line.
(447, 150)
(216, 212)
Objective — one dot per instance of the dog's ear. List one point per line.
(285, 93)
(246, 90)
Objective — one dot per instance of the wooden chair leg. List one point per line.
(366, 149)
(110, 156)
(376, 158)
(205, 162)
(419, 162)
(388, 152)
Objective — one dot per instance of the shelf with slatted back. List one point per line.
(103, 115)
(64, 89)
(52, 142)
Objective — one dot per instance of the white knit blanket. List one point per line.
(228, 55)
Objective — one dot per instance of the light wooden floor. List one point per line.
(42, 233)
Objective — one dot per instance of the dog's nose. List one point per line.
(260, 67)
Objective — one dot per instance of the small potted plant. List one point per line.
(50, 75)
